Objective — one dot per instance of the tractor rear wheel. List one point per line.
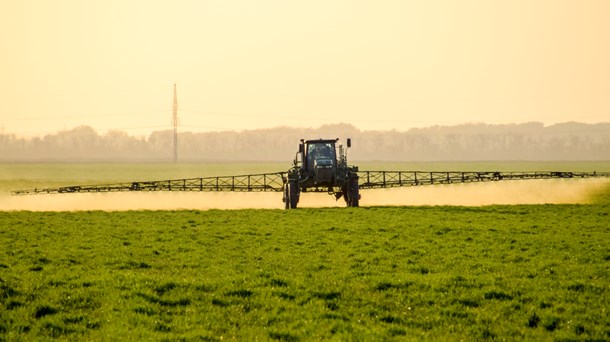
(352, 195)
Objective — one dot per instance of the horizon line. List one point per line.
(162, 128)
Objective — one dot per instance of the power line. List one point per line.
(83, 116)
(309, 118)
(130, 128)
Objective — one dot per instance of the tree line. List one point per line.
(467, 142)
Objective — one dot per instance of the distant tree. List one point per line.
(528, 141)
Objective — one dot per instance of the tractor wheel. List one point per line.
(286, 198)
(352, 195)
(291, 194)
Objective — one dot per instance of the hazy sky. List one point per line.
(242, 64)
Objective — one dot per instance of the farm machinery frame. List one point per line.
(319, 166)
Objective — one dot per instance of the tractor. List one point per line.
(321, 166)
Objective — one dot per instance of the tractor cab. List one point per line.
(320, 161)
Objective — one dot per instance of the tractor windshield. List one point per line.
(320, 153)
(321, 150)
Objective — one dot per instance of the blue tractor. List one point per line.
(321, 166)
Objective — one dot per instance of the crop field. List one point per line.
(509, 272)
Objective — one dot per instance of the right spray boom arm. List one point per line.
(390, 179)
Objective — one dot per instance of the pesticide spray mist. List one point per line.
(556, 191)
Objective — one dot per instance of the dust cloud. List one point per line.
(555, 191)
(475, 194)
(121, 201)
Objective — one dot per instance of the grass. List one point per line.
(506, 272)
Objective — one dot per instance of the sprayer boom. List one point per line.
(389, 179)
(255, 182)
(276, 182)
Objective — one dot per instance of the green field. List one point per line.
(510, 272)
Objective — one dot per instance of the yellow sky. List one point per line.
(242, 64)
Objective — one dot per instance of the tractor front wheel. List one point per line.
(291, 194)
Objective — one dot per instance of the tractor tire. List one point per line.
(352, 195)
(291, 194)
(286, 198)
